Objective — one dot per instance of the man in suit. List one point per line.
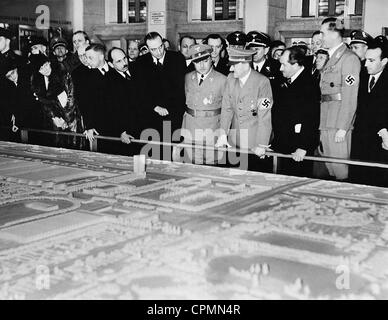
(204, 89)
(218, 44)
(371, 124)
(121, 95)
(96, 108)
(295, 114)
(260, 42)
(339, 87)
(185, 43)
(160, 75)
(246, 109)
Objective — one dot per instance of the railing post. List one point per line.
(24, 135)
(275, 164)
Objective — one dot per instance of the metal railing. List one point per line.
(24, 135)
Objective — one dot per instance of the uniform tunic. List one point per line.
(247, 111)
(204, 97)
(339, 86)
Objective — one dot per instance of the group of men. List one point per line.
(251, 94)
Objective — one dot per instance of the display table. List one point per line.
(82, 225)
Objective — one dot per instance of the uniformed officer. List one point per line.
(359, 43)
(6, 53)
(204, 89)
(339, 86)
(260, 42)
(236, 40)
(246, 108)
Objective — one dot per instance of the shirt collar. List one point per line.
(259, 64)
(205, 75)
(296, 75)
(332, 50)
(161, 60)
(105, 67)
(377, 76)
(244, 79)
(123, 73)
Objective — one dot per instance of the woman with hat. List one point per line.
(55, 92)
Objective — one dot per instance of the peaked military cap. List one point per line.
(359, 36)
(240, 55)
(199, 52)
(56, 42)
(258, 39)
(237, 38)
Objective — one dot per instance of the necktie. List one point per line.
(127, 76)
(159, 64)
(257, 69)
(201, 79)
(289, 81)
(372, 83)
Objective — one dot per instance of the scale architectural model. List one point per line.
(83, 225)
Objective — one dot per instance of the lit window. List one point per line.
(323, 8)
(214, 10)
(125, 11)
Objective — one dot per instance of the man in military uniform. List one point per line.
(359, 43)
(6, 54)
(246, 108)
(204, 89)
(260, 42)
(339, 87)
(236, 40)
(67, 61)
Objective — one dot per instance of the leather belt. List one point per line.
(331, 97)
(203, 113)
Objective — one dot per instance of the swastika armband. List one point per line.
(264, 103)
(350, 80)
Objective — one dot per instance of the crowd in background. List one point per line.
(326, 98)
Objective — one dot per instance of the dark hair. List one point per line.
(152, 36)
(83, 33)
(315, 33)
(297, 55)
(165, 40)
(215, 36)
(188, 37)
(335, 25)
(383, 45)
(110, 59)
(97, 47)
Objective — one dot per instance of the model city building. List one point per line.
(82, 225)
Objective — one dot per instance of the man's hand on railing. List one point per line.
(298, 155)
(126, 138)
(161, 111)
(340, 136)
(90, 134)
(222, 141)
(260, 151)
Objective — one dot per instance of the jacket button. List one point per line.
(332, 84)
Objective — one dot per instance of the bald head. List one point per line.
(118, 59)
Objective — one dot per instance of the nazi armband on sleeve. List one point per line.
(264, 103)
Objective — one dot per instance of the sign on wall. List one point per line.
(157, 17)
